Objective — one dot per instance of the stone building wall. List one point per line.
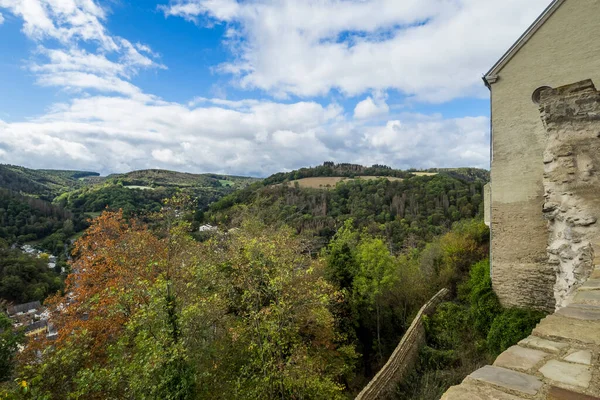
(571, 116)
(565, 49)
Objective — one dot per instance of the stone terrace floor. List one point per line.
(559, 361)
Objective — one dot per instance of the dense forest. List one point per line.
(25, 219)
(24, 278)
(408, 212)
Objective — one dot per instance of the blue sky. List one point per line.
(249, 87)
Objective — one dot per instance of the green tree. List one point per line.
(375, 276)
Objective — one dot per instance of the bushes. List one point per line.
(500, 328)
(510, 327)
(465, 334)
(446, 327)
(484, 305)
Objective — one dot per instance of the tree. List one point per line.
(115, 261)
(376, 275)
(282, 330)
(341, 266)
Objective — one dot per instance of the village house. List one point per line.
(207, 228)
(32, 317)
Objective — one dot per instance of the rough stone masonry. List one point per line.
(571, 117)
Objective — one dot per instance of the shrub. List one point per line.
(485, 306)
(511, 326)
(434, 359)
(446, 327)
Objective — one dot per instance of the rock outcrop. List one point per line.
(571, 116)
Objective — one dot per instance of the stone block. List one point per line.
(543, 344)
(554, 326)
(591, 297)
(520, 358)
(556, 393)
(567, 373)
(589, 313)
(508, 379)
(591, 284)
(477, 392)
(580, 357)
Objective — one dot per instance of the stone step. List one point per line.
(590, 297)
(595, 274)
(520, 358)
(580, 311)
(507, 379)
(580, 357)
(567, 373)
(543, 344)
(477, 391)
(591, 284)
(555, 326)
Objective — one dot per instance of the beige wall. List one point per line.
(564, 50)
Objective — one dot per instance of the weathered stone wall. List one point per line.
(571, 116)
(564, 50)
(403, 357)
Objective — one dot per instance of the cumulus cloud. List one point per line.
(106, 68)
(371, 107)
(435, 50)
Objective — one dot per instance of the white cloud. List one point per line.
(371, 107)
(432, 141)
(64, 20)
(72, 23)
(109, 134)
(1, 18)
(111, 125)
(436, 50)
(167, 156)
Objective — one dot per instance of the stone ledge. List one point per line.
(556, 393)
(543, 344)
(508, 379)
(567, 373)
(520, 358)
(553, 326)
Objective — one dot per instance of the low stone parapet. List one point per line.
(404, 356)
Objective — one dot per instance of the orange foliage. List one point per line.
(115, 262)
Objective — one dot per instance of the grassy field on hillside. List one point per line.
(424, 173)
(331, 181)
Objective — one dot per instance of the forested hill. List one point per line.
(49, 207)
(43, 184)
(330, 169)
(408, 208)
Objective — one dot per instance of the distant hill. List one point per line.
(143, 191)
(37, 205)
(467, 174)
(330, 169)
(44, 184)
(165, 178)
